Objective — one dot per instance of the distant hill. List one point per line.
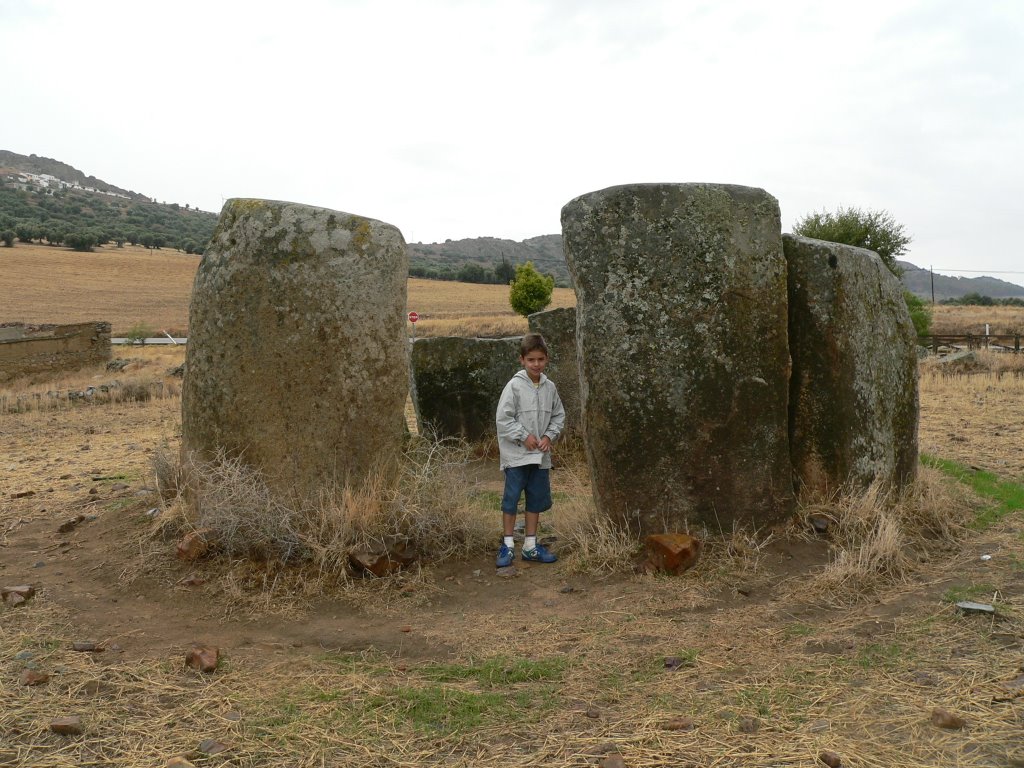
(445, 259)
(12, 161)
(45, 199)
(918, 281)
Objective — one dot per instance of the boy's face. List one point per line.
(534, 362)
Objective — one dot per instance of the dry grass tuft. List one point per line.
(875, 531)
(593, 543)
(426, 504)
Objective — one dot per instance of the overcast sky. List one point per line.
(452, 118)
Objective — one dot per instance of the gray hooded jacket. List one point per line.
(525, 410)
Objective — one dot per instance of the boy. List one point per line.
(530, 417)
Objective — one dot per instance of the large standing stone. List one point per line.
(457, 383)
(558, 327)
(681, 301)
(297, 356)
(854, 389)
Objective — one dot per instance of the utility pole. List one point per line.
(932, 272)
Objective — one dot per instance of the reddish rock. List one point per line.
(69, 525)
(831, 759)
(178, 762)
(67, 726)
(32, 677)
(672, 552)
(17, 595)
(195, 544)
(943, 718)
(23, 494)
(203, 657)
(679, 724)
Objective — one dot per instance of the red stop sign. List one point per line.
(413, 317)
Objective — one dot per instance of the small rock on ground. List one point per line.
(67, 726)
(943, 718)
(830, 758)
(203, 657)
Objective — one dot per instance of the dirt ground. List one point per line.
(739, 662)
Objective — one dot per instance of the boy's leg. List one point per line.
(538, 499)
(515, 480)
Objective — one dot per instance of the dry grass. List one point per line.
(875, 533)
(124, 286)
(947, 319)
(131, 285)
(975, 418)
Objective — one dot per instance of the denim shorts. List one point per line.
(532, 479)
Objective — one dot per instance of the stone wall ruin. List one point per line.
(33, 351)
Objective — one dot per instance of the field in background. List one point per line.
(947, 319)
(131, 285)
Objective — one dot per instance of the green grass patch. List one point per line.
(798, 629)
(497, 671)
(446, 709)
(971, 592)
(1007, 494)
(884, 655)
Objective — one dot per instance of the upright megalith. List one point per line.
(854, 389)
(456, 383)
(558, 327)
(297, 358)
(683, 353)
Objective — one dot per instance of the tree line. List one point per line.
(82, 220)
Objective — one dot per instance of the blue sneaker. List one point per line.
(505, 556)
(539, 554)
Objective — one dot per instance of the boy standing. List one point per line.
(529, 419)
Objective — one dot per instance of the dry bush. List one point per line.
(593, 542)
(874, 533)
(426, 503)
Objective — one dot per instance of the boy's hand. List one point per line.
(531, 443)
(545, 444)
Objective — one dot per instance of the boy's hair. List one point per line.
(532, 342)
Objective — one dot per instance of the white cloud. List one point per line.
(455, 118)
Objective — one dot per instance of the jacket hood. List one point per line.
(522, 374)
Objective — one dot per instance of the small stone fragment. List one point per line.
(212, 747)
(969, 606)
(178, 762)
(32, 677)
(508, 572)
(683, 723)
(749, 725)
(593, 713)
(943, 718)
(672, 552)
(406, 628)
(70, 524)
(613, 761)
(87, 646)
(675, 662)
(203, 657)
(23, 494)
(568, 589)
(830, 758)
(192, 580)
(17, 595)
(819, 523)
(67, 726)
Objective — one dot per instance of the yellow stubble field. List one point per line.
(132, 285)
